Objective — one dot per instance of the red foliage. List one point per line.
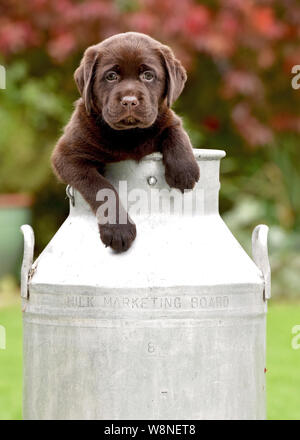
(211, 123)
(197, 20)
(264, 22)
(249, 127)
(243, 83)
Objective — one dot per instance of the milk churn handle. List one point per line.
(27, 259)
(70, 194)
(261, 257)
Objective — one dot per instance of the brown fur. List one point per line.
(123, 116)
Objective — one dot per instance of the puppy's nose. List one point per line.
(129, 101)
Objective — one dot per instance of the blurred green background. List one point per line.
(239, 55)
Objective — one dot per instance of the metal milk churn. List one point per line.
(174, 328)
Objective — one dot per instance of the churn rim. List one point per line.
(199, 153)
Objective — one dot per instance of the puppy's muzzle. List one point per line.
(129, 102)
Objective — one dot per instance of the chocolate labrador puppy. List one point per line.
(127, 84)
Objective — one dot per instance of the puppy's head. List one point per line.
(127, 77)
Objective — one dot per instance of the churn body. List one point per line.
(174, 328)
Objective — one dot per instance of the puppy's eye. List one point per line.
(111, 76)
(147, 75)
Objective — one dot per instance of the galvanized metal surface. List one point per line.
(27, 258)
(172, 329)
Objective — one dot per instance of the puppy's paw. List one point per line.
(118, 236)
(182, 175)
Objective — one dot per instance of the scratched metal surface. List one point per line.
(172, 329)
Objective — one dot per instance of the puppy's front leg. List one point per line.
(117, 230)
(181, 168)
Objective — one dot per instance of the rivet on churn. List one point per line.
(152, 180)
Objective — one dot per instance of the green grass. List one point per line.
(11, 364)
(283, 363)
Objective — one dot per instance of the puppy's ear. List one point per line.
(84, 76)
(176, 74)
